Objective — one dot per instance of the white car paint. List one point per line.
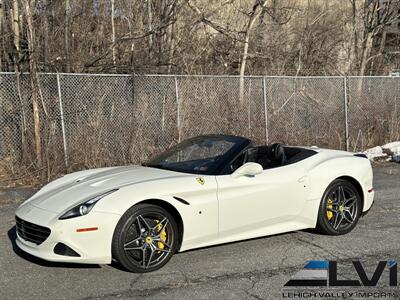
(224, 208)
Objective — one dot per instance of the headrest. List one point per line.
(276, 152)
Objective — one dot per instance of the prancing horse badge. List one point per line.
(200, 180)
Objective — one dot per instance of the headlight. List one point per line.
(85, 207)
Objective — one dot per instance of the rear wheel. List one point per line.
(340, 208)
(145, 238)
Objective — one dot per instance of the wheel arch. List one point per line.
(172, 210)
(356, 184)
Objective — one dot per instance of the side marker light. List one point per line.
(87, 229)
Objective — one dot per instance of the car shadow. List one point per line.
(250, 240)
(12, 235)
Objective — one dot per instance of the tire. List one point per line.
(145, 238)
(340, 208)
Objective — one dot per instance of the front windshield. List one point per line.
(198, 155)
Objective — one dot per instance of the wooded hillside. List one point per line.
(287, 37)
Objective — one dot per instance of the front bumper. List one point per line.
(92, 246)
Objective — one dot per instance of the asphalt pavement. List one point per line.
(252, 269)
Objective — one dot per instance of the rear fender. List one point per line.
(324, 173)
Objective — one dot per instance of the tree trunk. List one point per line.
(34, 81)
(366, 53)
(15, 25)
(113, 33)
(66, 37)
(354, 45)
(1, 35)
(150, 25)
(16, 30)
(45, 35)
(256, 12)
(159, 35)
(171, 33)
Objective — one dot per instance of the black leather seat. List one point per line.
(267, 156)
(262, 157)
(276, 154)
(252, 155)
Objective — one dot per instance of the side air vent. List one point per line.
(62, 249)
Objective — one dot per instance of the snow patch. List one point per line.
(375, 153)
(389, 151)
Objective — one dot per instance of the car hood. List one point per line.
(73, 189)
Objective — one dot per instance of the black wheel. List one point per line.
(145, 238)
(340, 208)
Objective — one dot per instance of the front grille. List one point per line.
(31, 232)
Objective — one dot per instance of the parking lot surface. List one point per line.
(253, 269)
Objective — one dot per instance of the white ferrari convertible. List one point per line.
(204, 191)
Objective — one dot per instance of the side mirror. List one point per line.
(248, 169)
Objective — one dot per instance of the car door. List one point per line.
(263, 204)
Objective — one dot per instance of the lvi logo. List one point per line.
(319, 273)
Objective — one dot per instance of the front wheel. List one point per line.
(145, 238)
(340, 208)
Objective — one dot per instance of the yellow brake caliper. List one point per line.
(329, 213)
(163, 235)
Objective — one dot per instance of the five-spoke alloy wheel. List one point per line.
(145, 238)
(340, 208)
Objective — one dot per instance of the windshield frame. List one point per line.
(239, 143)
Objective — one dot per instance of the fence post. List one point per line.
(265, 110)
(346, 102)
(62, 121)
(178, 109)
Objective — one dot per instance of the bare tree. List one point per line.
(34, 80)
(199, 36)
(377, 15)
(16, 31)
(1, 32)
(45, 35)
(113, 32)
(150, 23)
(16, 26)
(66, 37)
(255, 13)
(353, 53)
(171, 42)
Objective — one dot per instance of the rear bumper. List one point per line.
(93, 247)
(368, 201)
(364, 213)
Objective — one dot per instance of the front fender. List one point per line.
(199, 216)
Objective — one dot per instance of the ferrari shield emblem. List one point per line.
(200, 180)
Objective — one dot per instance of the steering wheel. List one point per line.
(204, 166)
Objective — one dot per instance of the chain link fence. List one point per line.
(92, 120)
(374, 111)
